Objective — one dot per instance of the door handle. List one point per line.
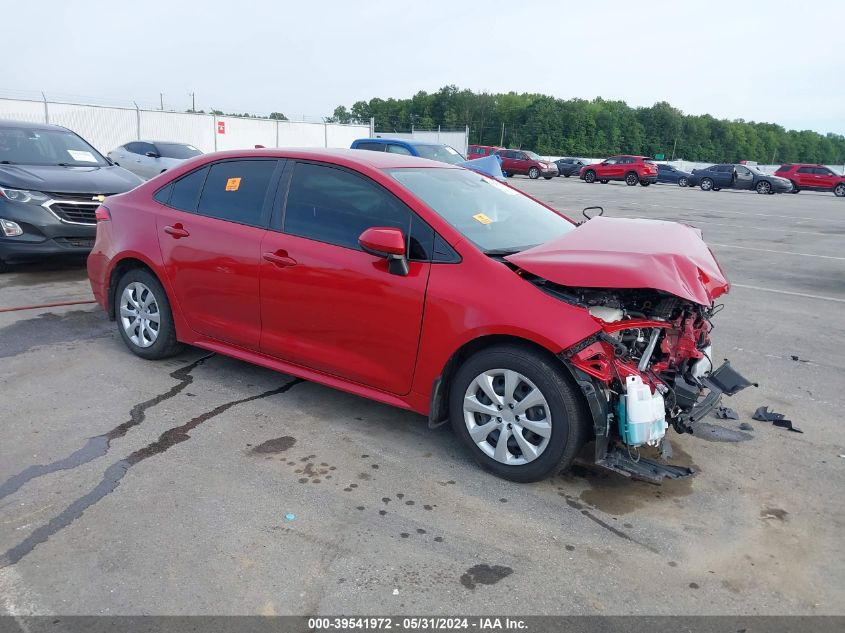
(176, 231)
(280, 259)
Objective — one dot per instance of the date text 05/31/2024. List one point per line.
(417, 623)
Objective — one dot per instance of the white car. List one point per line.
(149, 158)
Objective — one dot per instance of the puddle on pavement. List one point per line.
(49, 328)
(278, 445)
(615, 494)
(484, 575)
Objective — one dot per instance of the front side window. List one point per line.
(493, 216)
(335, 206)
(176, 150)
(806, 170)
(742, 171)
(823, 171)
(235, 190)
(440, 153)
(35, 146)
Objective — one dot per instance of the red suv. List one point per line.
(480, 151)
(631, 169)
(812, 178)
(372, 272)
(521, 161)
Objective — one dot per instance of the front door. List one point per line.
(210, 233)
(743, 178)
(325, 303)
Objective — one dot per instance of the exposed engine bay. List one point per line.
(650, 367)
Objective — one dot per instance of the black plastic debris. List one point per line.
(726, 413)
(778, 419)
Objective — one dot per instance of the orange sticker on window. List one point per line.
(233, 184)
(480, 217)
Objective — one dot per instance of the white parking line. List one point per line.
(787, 292)
(771, 250)
(755, 228)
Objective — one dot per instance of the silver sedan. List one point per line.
(149, 158)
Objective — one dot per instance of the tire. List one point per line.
(561, 413)
(631, 179)
(533, 173)
(839, 190)
(547, 177)
(604, 181)
(566, 175)
(706, 184)
(508, 175)
(764, 187)
(4, 267)
(682, 181)
(717, 188)
(644, 183)
(132, 296)
(795, 188)
(590, 176)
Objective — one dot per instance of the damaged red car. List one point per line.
(428, 287)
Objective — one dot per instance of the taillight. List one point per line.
(102, 214)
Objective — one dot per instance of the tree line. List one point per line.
(580, 127)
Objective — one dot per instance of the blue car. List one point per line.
(423, 149)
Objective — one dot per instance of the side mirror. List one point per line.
(151, 154)
(388, 243)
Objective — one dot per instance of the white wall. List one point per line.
(106, 128)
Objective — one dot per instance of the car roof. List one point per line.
(27, 125)
(376, 160)
(405, 141)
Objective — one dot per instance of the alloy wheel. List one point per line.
(507, 416)
(139, 314)
(839, 190)
(763, 187)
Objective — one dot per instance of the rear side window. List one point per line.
(806, 170)
(373, 147)
(235, 190)
(185, 191)
(398, 149)
(335, 206)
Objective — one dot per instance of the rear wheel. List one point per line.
(644, 183)
(604, 181)
(631, 178)
(547, 177)
(590, 176)
(706, 184)
(839, 190)
(764, 187)
(143, 315)
(516, 412)
(682, 181)
(795, 188)
(566, 175)
(533, 173)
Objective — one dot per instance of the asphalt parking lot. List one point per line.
(202, 485)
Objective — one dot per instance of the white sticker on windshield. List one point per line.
(82, 156)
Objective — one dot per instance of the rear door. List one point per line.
(325, 303)
(210, 234)
(806, 177)
(724, 175)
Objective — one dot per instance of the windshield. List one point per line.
(491, 215)
(532, 155)
(442, 153)
(22, 146)
(177, 150)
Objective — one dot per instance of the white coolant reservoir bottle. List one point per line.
(640, 412)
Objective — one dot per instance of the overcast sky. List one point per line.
(771, 61)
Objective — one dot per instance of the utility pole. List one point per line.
(161, 100)
(502, 138)
(673, 148)
(193, 102)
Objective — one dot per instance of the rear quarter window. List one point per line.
(185, 192)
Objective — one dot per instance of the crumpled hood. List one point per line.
(53, 178)
(624, 253)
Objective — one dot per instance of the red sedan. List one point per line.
(425, 286)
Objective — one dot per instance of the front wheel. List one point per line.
(795, 188)
(533, 173)
(143, 315)
(631, 179)
(517, 413)
(839, 190)
(566, 175)
(764, 187)
(590, 176)
(682, 181)
(604, 181)
(706, 184)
